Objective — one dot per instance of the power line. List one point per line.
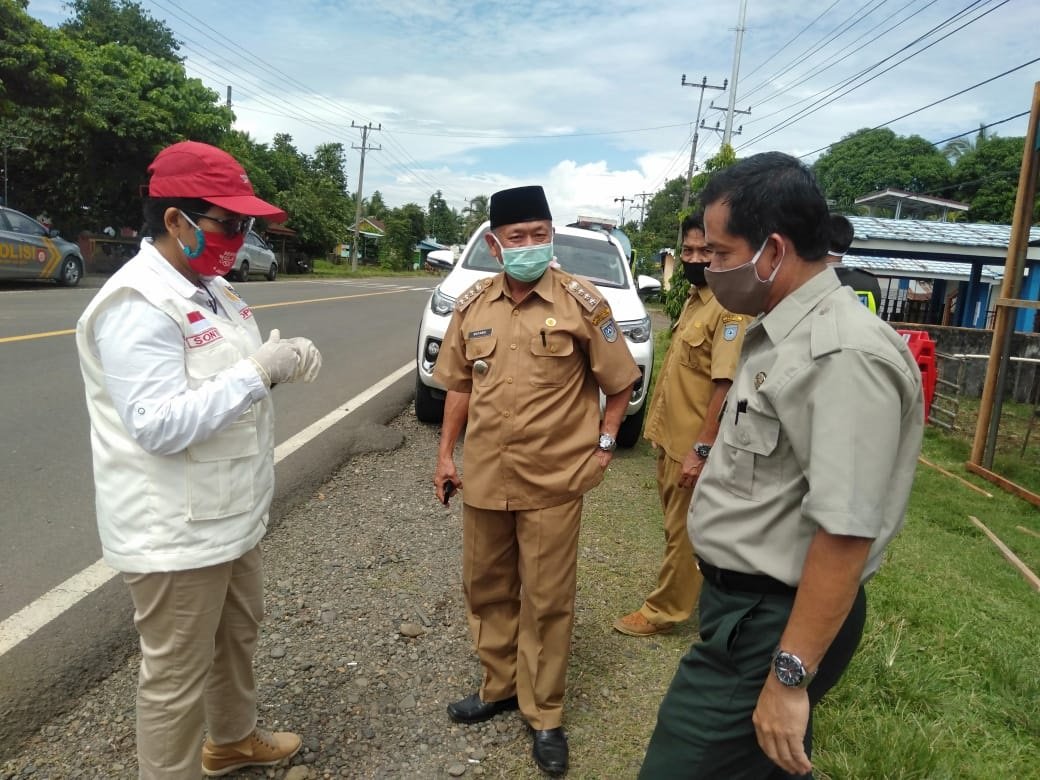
(795, 38)
(941, 100)
(981, 127)
(242, 50)
(823, 102)
(828, 65)
(828, 38)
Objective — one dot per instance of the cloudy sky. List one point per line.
(585, 97)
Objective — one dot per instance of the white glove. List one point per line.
(276, 361)
(310, 359)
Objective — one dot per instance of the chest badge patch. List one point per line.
(729, 332)
(479, 334)
(550, 322)
(760, 377)
(480, 367)
(609, 330)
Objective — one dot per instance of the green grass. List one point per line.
(325, 269)
(1009, 459)
(946, 683)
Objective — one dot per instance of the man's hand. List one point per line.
(780, 721)
(692, 466)
(604, 457)
(445, 472)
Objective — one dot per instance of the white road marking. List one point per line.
(59, 599)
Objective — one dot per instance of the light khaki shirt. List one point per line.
(821, 429)
(705, 346)
(534, 371)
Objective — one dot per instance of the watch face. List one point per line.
(789, 669)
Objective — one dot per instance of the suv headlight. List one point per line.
(636, 330)
(441, 304)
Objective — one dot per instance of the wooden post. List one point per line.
(1017, 247)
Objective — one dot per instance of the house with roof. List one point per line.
(941, 273)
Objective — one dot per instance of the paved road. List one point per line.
(366, 330)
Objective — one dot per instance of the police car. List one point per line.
(28, 250)
(590, 254)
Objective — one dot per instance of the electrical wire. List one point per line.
(795, 38)
(826, 66)
(396, 155)
(937, 102)
(824, 102)
(806, 55)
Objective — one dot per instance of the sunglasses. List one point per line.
(232, 226)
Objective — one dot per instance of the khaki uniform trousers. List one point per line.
(519, 574)
(679, 581)
(198, 632)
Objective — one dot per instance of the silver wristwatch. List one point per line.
(701, 449)
(790, 670)
(607, 443)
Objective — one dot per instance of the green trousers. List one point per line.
(704, 727)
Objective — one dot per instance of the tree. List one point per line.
(474, 214)
(871, 160)
(987, 178)
(405, 227)
(123, 22)
(442, 223)
(958, 147)
(376, 207)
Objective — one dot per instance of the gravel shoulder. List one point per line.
(365, 639)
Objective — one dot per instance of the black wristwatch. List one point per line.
(790, 670)
(702, 449)
(607, 443)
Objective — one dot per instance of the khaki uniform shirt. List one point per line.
(705, 347)
(821, 429)
(534, 371)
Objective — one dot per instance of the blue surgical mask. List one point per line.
(526, 263)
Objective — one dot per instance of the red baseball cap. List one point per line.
(190, 169)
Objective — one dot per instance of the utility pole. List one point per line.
(736, 72)
(623, 200)
(642, 206)
(365, 130)
(10, 142)
(693, 149)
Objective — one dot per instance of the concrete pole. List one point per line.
(728, 132)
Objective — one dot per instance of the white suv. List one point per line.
(586, 253)
(255, 258)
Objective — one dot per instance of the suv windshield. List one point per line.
(595, 259)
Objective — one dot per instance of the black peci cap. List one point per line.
(519, 204)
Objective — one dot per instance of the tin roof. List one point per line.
(963, 234)
(912, 268)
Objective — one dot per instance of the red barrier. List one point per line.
(923, 349)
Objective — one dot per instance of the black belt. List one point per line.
(740, 581)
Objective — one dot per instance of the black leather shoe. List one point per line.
(473, 710)
(550, 751)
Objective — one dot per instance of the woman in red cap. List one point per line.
(182, 430)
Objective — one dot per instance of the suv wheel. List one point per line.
(243, 271)
(631, 427)
(272, 272)
(427, 408)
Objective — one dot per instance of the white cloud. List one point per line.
(454, 83)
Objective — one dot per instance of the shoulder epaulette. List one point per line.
(590, 299)
(471, 293)
(823, 333)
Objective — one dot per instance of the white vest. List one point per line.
(207, 504)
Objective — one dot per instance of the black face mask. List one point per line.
(694, 273)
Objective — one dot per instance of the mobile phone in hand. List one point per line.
(448, 488)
